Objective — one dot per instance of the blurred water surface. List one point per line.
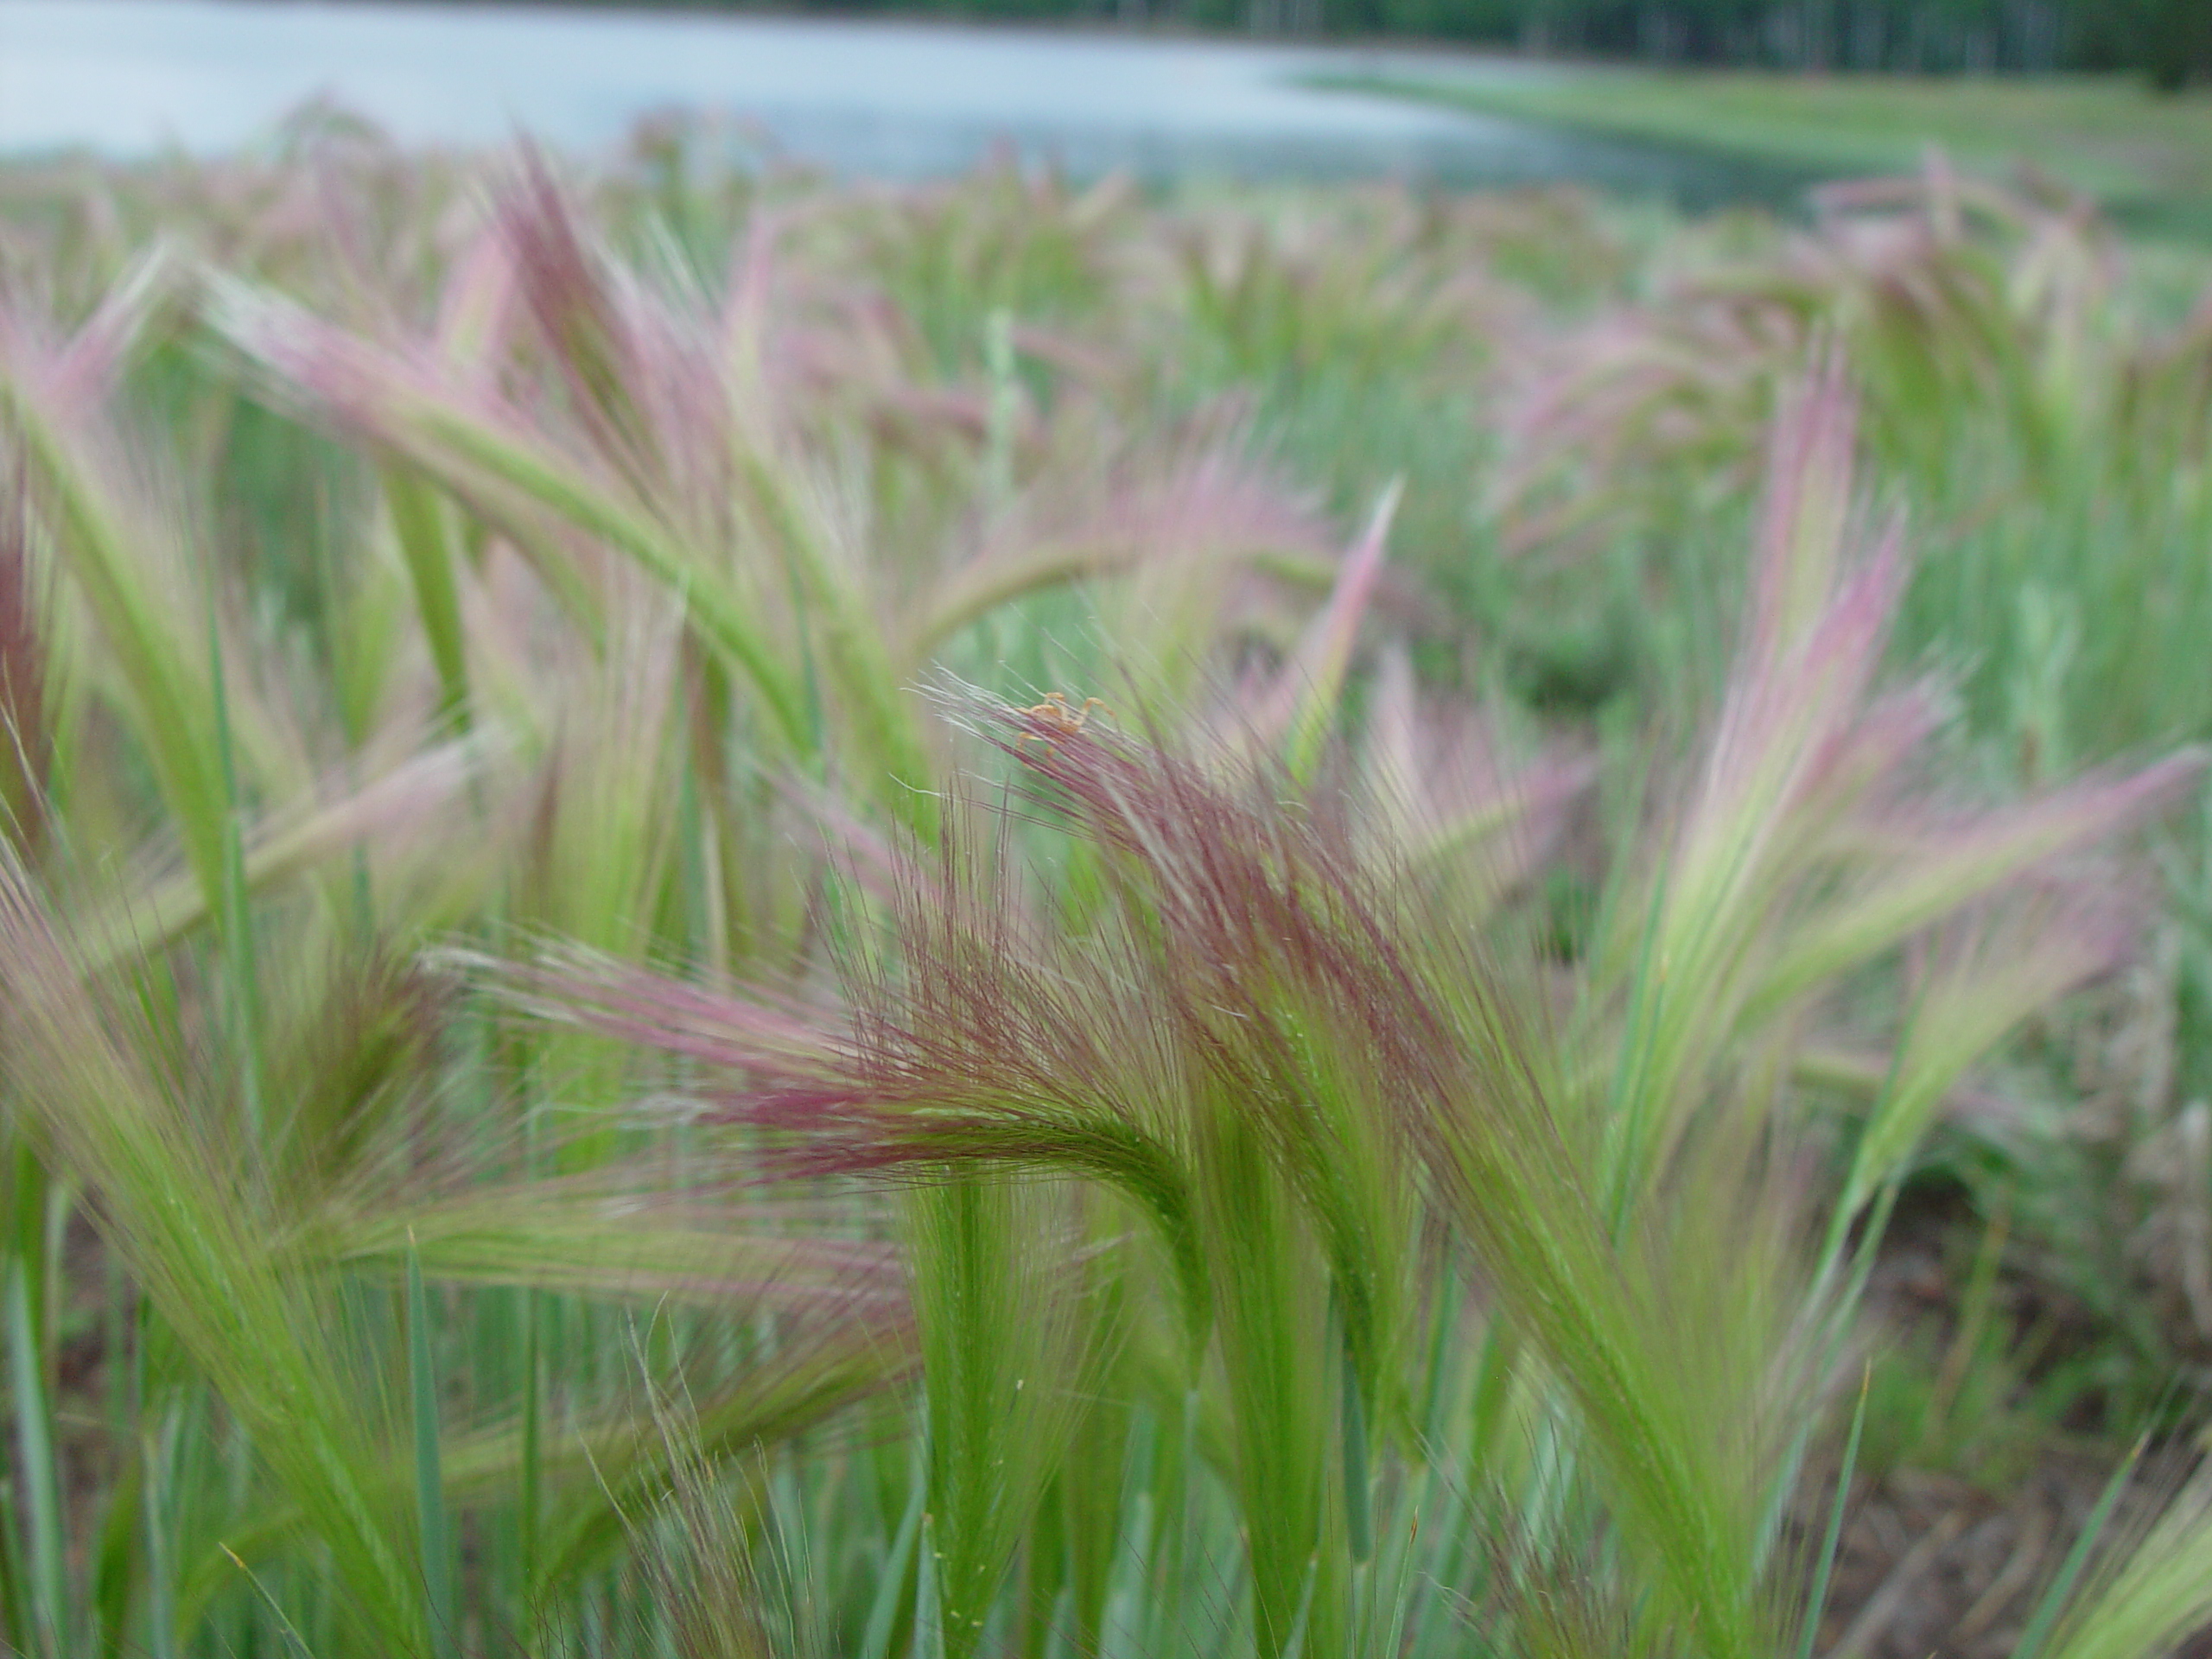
(880, 99)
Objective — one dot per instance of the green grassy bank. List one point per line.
(2146, 156)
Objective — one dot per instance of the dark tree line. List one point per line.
(2169, 41)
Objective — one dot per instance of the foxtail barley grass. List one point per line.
(843, 982)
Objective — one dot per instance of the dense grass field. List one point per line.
(747, 917)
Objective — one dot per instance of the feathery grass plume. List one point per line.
(1989, 974)
(1440, 795)
(1379, 286)
(836, 1354)
(469, 439)
(1434, 799)
(641, 444)
(1790, 752)
(2016, 388)
(26, 697)
(1294, 717)
(1229, 1048)
(147, 607)
(617, 1467)
(200, 1247)
(1007, 238)
(1268, 946)
(1961, 308)
(1278, 1003)
(1271, 922)
(1796, 858)
(788, 1318)
(1673, 1328)
(994, 1264)
(672, 427)
(604, 1236)
(1950, 861)
(1004, 1052)
(596, 864)
(1180, 513)
(399, 828)
(696, 1553)
(591, 339)
(1799, 857)
(349, 1037)
(2149, 1593)
(990, 1265)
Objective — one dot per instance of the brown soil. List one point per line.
(1932, 1565)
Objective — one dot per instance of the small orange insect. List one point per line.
(1056, 713)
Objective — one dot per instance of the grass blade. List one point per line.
(2035, 1636)
(429, 1482)
(1816, 1599)
(929, 1612)
(419, 526)
(898, 1565)
(41, 1477)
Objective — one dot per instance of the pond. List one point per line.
(893, 100)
